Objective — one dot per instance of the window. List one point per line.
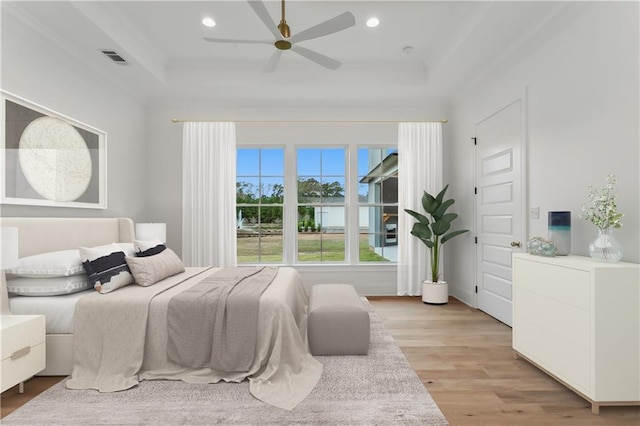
(321, 205)
(333, 205)
(378, 204)
(260, 205)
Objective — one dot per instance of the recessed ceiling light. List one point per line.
(373, 22)
(208, 22)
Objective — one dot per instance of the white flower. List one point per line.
(603, 211)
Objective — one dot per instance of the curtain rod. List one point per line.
(443, 121)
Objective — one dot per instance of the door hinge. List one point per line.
(475, 240)
(476, 289)
(475, 190)
(475, 141)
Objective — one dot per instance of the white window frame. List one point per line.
(284, 208)
(295, 201)
(290, 216)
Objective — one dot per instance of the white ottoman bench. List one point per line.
(338, 322)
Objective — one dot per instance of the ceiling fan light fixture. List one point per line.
(373, 22)
(284, 29)
(283, 44)
(208, 22)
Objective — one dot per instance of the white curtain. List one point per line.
(420, 165)
(209, 194)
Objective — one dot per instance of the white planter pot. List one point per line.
(435, 293)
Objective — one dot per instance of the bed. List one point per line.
(282, 372)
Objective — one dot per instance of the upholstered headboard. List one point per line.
(44, 234)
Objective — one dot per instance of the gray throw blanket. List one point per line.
(215, 323)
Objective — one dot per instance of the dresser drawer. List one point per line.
(564, 360)
(566, 285)
(564, 321)
(20, 331)
(20, 369)
(23, 348)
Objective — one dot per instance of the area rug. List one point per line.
(377, 389)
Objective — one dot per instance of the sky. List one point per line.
(311, 161)
(325, 163)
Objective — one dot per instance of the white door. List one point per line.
(500, 188)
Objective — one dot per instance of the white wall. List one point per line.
(165, 187)
(582, 123)
(43, 72)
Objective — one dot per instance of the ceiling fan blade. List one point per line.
(316, 57)
(333, 25)
(273, 62)
(235, 41)
(260, 10)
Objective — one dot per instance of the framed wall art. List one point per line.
(49, 159)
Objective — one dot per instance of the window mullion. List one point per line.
(290, 225)
(352, 207)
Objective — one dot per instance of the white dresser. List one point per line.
(23, 348)
(579, 321)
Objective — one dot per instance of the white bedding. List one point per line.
(58, 310)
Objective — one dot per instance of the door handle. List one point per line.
(515, 244)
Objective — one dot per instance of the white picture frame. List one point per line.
(50, 159)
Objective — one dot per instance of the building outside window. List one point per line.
(378, 204)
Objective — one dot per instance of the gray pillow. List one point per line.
(149, 270)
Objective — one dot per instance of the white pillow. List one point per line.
(106, 267)
(127, 248)
(48, 286)
(149, 270)
(61, 263)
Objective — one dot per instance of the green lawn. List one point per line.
(312, 248)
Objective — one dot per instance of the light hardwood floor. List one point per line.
(464, 358)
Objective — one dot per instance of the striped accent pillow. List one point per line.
(106, 267)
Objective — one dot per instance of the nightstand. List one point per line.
(23, 348)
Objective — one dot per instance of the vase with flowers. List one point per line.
(602, 211)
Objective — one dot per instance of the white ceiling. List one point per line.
(454, 43)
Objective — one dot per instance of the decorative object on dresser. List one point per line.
(559, 224)
(602, 211)
(23, 349)
(151, 231)
(8, 259)
(434, 230)
(541, 247)
(577, 320)
(51, 160)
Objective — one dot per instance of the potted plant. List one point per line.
(433, 229)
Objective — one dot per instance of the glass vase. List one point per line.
(605, 248)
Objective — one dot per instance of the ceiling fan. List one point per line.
(285, 41)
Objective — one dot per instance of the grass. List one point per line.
(312, 247)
